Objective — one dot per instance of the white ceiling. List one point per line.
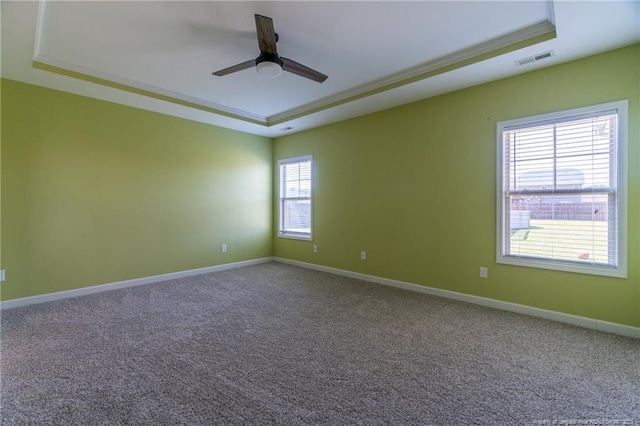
(376, 54)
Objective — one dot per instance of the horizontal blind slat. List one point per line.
(558, 186)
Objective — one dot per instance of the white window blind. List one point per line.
(295, 197)
(560, 200)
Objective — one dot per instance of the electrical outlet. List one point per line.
(223, 248)
(315, 248)
(484, 273)
(2, 277)
(363, 255)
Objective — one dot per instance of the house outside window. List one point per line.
(562, 190)
(295, 205)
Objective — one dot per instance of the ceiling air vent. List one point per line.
(534, 58)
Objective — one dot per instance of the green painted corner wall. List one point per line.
(94, 192)
(415, 186)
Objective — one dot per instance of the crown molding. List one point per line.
(529, 36)
(45, 63)
(525, 37)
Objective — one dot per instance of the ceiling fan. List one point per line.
(269, 63)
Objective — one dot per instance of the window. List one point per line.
(561, 190)
(295, 197)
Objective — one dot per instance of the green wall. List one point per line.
(94, 192)
(415, 186)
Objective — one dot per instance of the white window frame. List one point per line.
(619, 181)
(281, 199)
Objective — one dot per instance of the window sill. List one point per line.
(295, 236)
(601, 270)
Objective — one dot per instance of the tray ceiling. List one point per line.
(160, 55)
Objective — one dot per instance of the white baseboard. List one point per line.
(585, 322)
(128, 283)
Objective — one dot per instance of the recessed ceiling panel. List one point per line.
(172, 48)
(160, 55)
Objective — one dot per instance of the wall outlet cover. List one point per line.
(484, 273)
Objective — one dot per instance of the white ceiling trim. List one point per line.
(582, 29)
(147, 89)
(420, 72)
(425, 70)
(106, 79)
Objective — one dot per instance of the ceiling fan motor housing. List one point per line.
(269, 65)
(267, 57)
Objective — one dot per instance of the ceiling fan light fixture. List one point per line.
(269, 64)
(269, 69)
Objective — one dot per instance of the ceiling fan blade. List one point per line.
(235, 68)
(301, 70)
(266, 35)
